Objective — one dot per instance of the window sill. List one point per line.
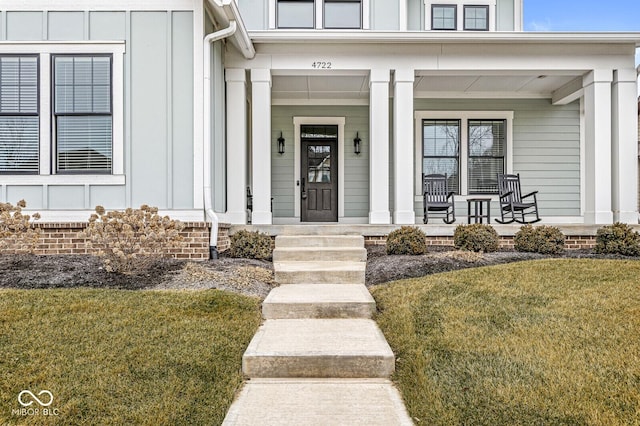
(76, 179)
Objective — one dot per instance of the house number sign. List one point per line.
(321, 65)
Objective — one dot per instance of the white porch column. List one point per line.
(625, 147)
(236, 145)
(403, 178)
(261, 146)
(379, 147)
(597, 104)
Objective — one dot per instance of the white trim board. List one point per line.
(98, 5)
(297, 122)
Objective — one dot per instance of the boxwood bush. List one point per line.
(542, 239)
(476, 237)
(407, 240)
(618, 238)
(251, 245)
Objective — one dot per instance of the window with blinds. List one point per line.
(487, 146)
(19, 122)
(82, 113)
(441, 150)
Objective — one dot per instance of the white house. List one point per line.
(190, 104)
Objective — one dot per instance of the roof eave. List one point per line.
(391, 37)
(226, 11)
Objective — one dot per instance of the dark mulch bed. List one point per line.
(68, 271)
(382, 268)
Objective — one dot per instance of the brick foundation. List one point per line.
(571, 242)
(65, 238)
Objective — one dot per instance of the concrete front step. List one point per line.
(319, 272)
(339, 348)
(318, 402)
(332, 241)
(301, 254)
(319, 301)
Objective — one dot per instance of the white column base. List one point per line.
(404, 218)
(261, 218)
(237, 218)
(598, 218)
(630, 218)
(379, 218)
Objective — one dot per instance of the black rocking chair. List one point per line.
(438, 198)
(513, 203)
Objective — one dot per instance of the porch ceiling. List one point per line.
(327, 86)
(538, 83)
(320, 87)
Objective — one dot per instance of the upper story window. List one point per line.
(318, 14)
(443, 17)
(345, 14)
(476, 18)
(19, 122)
(296, 14)
(467, 15)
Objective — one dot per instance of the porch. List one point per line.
(569, 125)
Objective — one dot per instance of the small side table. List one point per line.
(481, 210)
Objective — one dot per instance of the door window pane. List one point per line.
(476, 18)
(443, 17)
(296, 14)
(342, 14)
(319, 164)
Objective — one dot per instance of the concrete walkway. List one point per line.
(319, 358)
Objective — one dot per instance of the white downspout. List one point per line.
(206, 152)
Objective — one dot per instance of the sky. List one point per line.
(583, 15)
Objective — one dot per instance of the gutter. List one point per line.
(206, 152)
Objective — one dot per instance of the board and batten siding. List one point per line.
(158, 113)
(356, 167)
(546, 149)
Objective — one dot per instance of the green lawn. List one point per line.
(122, 357)
(534, 343)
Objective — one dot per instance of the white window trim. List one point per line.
(300, 121)
(45, 49)
(319, 14)
(464, 117)
(460, 12)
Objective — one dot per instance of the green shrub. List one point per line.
(618, 238)
(17, 233)
(250, 245)
(542, 239)
(132, 239)
(476, 237)
(407, 240)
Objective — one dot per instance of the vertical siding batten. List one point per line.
(169, 106)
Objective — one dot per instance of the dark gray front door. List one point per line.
(319, 169)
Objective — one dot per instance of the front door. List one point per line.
(319, 169)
